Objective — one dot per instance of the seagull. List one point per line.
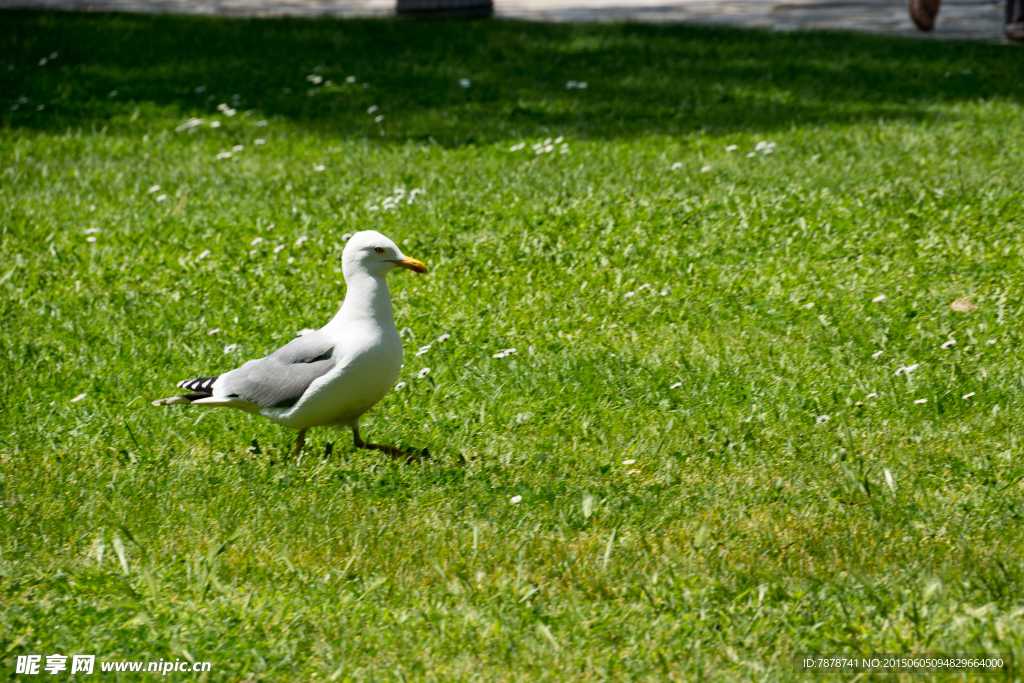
(331, 376)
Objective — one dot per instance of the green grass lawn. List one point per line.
(719, 464)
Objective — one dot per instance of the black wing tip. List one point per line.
(200, 384)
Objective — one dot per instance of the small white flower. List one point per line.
(90, 238)
(906, 370)
(821, 419)
(372, 110)
(991, 341)
(705, 169)
(259, 141)
(444, 337)
(222, 107)
(515, 499)
(255, 241)
(876, 354)
(732, 148)
(464, 82)
(189, 125)
(53, 55)
(261, 124)
(278, 248)
(665, 292)
(42, 62)
(229, 112)
(350, 79)
(161, 198)
(423, 373)
(517, 147)
(298, 242)
(569, 85)
(921, 400)
(319, 168)
(378, 119)
(947, 344)
(155, 188)
(400, 386)
(676, 385)
(315, 80)
(113, 93)
(582, 85)
(751, 155)
(966, 396)
(224, 155)
(214, 124)
(878, 299)
(677, 166)
(628, 462)
(237, 148)
(633, 472)
(230, 347)
(761, 145)
(22, 100)
(213, 331)
(423, 350)
(629, 295)
(252, 253)
(206, 252)
(78, 398)
(92, 231)
(870, 396)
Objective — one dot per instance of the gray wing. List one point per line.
(280, 379)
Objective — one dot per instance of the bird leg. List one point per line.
(393, 451)
(300, 442)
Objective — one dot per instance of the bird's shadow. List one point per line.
(283, 453)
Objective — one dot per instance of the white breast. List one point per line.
(369, 361)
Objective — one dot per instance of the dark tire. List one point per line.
(441, 9)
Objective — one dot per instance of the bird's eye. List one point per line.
(379, 250)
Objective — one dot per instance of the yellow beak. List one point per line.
(412, 264)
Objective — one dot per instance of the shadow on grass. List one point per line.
(641, 79)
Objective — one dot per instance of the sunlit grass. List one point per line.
(792, 494)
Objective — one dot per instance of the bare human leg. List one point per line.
(1014, 28)
(923, 13)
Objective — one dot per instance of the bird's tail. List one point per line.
(201, 386)
(180, 400)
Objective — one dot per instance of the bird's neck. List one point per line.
(368, 299)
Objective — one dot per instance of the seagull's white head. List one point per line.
(376, 254)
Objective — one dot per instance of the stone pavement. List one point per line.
(965, 19)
